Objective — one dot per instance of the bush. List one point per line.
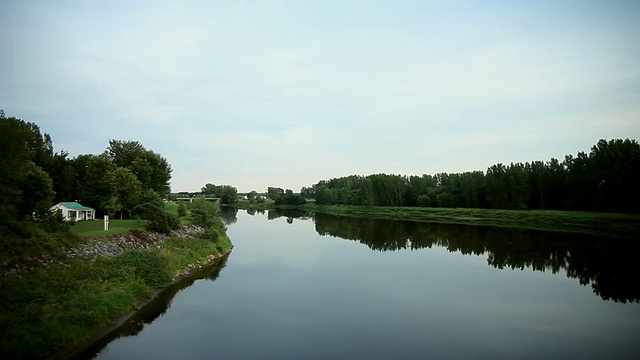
(182, 210)
(291, 199)
(149, 266)
(157, 219)
(423, 201)
(204, 213)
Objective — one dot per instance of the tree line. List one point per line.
(33, 177)
(605, 179)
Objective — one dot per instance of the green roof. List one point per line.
(75, 206)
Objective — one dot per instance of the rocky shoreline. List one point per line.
(116, 245)
(108, 246)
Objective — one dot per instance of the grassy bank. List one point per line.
(95, 228)
(44, 310)
(606, 224)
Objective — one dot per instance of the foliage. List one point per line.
(289, 198)
(151, 169)
(226, 193)
(46, 310)
(596, 223)
(157, 218)
(603, 180)
(182, 209)
(25, 187)
(148, 265)
(125, 190)
(205, 214)
(274, 193)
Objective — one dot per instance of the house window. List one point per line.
(72, 215)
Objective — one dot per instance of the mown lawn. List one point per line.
(96, 228)
(90, 228)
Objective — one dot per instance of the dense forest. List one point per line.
(33, 177)
(606, 179)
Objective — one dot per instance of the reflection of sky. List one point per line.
(288, 293)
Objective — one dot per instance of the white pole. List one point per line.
(106, 222)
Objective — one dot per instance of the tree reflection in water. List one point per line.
(607, 264)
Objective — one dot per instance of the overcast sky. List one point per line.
(286, 93)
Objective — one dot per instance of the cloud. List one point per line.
(277, 93)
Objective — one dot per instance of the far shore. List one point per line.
(614, 225)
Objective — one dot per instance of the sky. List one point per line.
(286, 93)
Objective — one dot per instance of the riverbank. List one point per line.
(592, 223)
(52, 305)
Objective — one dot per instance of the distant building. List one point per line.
(72, 211)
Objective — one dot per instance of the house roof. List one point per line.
(75, 206)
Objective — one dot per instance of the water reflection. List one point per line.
(229, 215)
(150, 312)
(608, 265)
(290, 214)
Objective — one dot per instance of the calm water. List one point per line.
(340, 288)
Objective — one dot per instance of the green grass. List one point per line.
(605, 224)
(47, 310)
(171, 208)
(95, 228)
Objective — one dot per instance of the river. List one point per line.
(299, 286)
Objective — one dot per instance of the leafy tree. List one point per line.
(63, 175)
(157, 218)
(205, 214)
(125, 190)
(615, 165)
(252, 196)
(424, 200)
(274, 193)
(152, 170)
(226, 193)
(307, 192)
(290, 199)
(38, 189)
(94, 187)
(24, 185)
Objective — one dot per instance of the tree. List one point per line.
(205, 214)
(290, 199)
(25, 187)
(274, 193)
(152, 170)
(94, 187)
(615, 165)
(307, 192)
(37, 190)
(125, 190)
(226, 193)
(157, 219)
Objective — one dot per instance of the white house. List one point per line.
(72, 211)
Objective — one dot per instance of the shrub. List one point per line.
(424, 200)
(182, 210)
(148, 265)
(204, 213)
(157, 219)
